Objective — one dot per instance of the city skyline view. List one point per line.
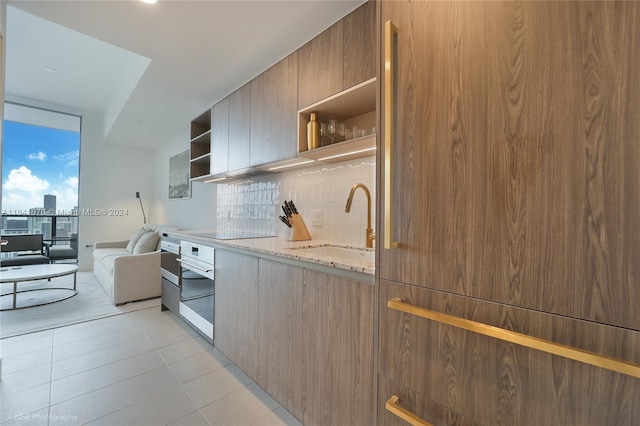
(38, 161)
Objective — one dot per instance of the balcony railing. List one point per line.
(57, 230)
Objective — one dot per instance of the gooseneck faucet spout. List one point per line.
(370, 236)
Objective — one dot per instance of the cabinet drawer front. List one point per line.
(493, 381)
(170, 296)
(411, 401)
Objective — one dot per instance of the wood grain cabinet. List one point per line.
(274, 95)
(280, 332)
(337, 342)
(514, 150)
(340, 57)
(359, 45)
(492, 381)
(510, 183)
(231, 132)
(236, 309)
(320, 70)
(239, 128)
(305, 337)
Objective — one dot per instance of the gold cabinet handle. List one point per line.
(548, 346)
(390, 31)
(394, 407)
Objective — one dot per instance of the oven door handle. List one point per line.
(189, 265)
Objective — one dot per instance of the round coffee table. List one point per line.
(17, 274)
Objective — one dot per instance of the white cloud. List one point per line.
(22, 179)
(19, 202)
(41, 156)
(72, 157)
(72, 182)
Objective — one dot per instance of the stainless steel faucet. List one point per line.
(370, 236)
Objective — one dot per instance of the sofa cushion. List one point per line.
(100, 254)
(147, 243)
(135, 238)
(109, 261)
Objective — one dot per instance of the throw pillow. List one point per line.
(134, 239)
(147, 243)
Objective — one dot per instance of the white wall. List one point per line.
(198, 212)
(110, 175)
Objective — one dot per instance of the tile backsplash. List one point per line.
(318, 192)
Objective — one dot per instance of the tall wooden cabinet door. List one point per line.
(236, 309)
(320, 66)
(359, 45)
(337, 318)
(516, 155)
(274, 107)
(280, 334)
(239, 128)
(220, 137)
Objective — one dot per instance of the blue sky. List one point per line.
(37, 161)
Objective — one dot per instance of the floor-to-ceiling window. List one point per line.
(40, 171)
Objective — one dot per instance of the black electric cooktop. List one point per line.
(231, 235)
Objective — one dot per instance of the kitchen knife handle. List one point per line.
(390, 33)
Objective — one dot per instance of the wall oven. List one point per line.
(197, 286)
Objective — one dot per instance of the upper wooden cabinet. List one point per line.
(320, 70)
(274, 95)
(340, 57)
(359, 45)
(239, 128)
(220, 137)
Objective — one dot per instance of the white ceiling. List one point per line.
(150, 69)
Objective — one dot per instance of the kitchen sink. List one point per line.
(366, 256)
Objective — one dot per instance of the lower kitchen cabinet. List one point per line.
(280, 333)
(236, 309)
(492, 381)
(305, 337)
(170, 296)
(417, 405)
(337, 350)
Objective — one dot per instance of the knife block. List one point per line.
(300, 231)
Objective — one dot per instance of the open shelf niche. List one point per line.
(355, 106)
(200, 152)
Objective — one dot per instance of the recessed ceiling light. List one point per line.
(149, 1)
(49, 69)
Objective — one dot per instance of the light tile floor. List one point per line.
(142, 368)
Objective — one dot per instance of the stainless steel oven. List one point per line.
(197, 286)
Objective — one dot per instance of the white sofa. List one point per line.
(128, 275)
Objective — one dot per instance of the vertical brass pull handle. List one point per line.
(390, 31)
(393, 407)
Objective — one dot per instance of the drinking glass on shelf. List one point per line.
(332, 129)
(348, 134)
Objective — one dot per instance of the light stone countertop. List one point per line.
(279, 247)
